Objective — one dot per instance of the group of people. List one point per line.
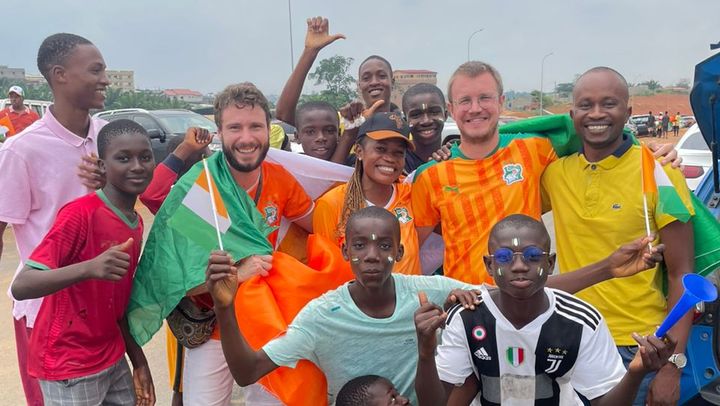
(661, 125)
(512, 332)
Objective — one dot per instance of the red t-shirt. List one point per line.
(20, 121)
(77, 332)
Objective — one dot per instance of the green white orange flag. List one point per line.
(658, 187)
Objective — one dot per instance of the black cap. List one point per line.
(383, 126)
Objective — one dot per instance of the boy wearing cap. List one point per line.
(381, 146)
(20, 115)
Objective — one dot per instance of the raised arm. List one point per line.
(246, 364)
(626, 261)
(111, 265)
(317, 38)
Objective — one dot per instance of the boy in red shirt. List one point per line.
(84, 267)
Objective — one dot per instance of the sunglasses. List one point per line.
(530, 255)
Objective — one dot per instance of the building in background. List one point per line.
(12, 73)
(34, 79)
(121, 79)
(404, 79)
(184, 95)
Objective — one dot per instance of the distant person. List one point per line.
(20, 115)
(666, 123)
(84, 268)
(651, 124)
(38, 166)
(676, 124)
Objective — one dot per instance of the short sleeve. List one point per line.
(453, 360)
(599, 367)
(426, 215)
(297, 343)
(437, 287)
(15, 182)
(63, 243)
(662, 217)
(299, 204)
(325, 219)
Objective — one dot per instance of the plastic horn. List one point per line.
(697, 289)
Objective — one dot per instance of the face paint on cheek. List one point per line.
(499, 272)
(390, 259)
(541, 271)
(354, 260)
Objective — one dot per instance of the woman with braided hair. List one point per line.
(380, 150)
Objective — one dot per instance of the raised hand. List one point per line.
(222, 278)
(197, 138)
(635, 257)
(653, 352)
(428, 318)
(371, 110)
(254, 265)
(112, 264)
(318, 36)
(90, 173)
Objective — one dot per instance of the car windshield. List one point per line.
(178, 123)
(639, 119)
(695, 142)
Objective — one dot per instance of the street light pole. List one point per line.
(292, 57)
(468, 44)
(542, 68)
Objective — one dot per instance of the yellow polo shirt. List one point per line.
(597, 207)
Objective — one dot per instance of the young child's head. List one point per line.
(369, 390)
(519, 259)
(74, 69)
(424, 106)
(318, 128)
(380, 151)
(372, 245)
(126, 156)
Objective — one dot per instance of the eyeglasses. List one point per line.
(484, 101)
(530, 255)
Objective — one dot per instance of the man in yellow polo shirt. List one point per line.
(597, 201)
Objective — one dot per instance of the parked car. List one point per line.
(641, 123)
(450, 131)
(162, 125)
(696, 155)
(687, 121)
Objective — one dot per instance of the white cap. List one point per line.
(18, 90)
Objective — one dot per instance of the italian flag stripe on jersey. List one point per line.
(515, 355)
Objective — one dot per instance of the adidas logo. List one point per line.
(483, 355)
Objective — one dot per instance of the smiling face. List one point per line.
(382, 161)
(318, 133)
(375, 83)
(82, 79)
(521, 277)
(600, 109)
(426, 117)
(475, 106)
(128, 163)
(372, 245)
(245, 136)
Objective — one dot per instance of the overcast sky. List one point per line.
(205, 45)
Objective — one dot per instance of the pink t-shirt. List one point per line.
(38, 175)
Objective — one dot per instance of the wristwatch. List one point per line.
(679, 360)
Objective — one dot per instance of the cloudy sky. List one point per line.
(205, 45)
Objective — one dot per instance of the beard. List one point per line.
(245, 167)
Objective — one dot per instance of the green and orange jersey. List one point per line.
(467, 197)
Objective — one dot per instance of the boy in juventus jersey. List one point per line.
(526, 344)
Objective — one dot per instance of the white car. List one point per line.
(696, 155)
(450, 129)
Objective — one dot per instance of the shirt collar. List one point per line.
(25, 111)
(67, 135)
(612, 160)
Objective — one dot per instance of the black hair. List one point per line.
(609, 70)
(518, 221)
(115, 129)
(373, 212)
(356, 392)
(55, 49)
(314, 105)
(422, 88)
(378, 57)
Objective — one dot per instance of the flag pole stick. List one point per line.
(212, 203)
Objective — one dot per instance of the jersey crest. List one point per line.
(512, 173)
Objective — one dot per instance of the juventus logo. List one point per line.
(555, 357)
(554, 365)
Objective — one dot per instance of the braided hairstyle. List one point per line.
(354, 196)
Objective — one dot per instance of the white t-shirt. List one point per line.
(567, 347)
(332, 332)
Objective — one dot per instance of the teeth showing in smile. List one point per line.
(386, 169)
(597, 128)
(375, 92)
(246, 150)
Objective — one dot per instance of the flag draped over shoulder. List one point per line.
(181, 239)
(560, 130)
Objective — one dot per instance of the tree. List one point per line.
(332, 74)
(564, 89)
(547, 100)
(652, 85)
(683, 83)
